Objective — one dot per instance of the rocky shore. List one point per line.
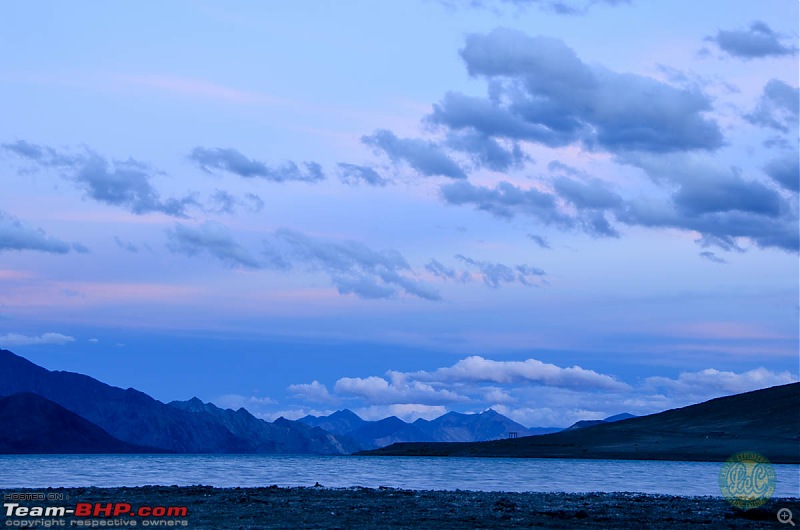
(320, 507)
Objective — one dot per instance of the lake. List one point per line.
(482, 474)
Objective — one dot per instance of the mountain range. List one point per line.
(122, 420)
(450, 427)
(45, 411)
(763, 421)
(135, 418)
(588, 423)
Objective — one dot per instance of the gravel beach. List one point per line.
(320, 507)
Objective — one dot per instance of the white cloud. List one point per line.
(531, 392)
(497, 395)
(405, 411)
(379, 390)
(292, 414)
(257, 406)
(548, 416)
(711, 383)
(313, 391)
(476, 369)
(17, 339)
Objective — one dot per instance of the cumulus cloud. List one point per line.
(537, 393)
(210, 238)
(405, 411)
(486, 151)
(777, 108)
(232, 161)
(757, 41)
(17, 339)
(722, 226)
(16, 235)
(726, 193)
(380, 391)
(235, 401)
(489, 118)
(718, 202)
(476, 369)
(711, 383)
(355, 268)
(259, 407)
(313, 391)
(353, 174)
(591, 194)
(507, 200)
(425, 157)
(590, 197)
(549, 416)
(124, 183)
(540, 91)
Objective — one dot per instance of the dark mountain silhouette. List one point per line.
(32, 424)
(281, 436)
(450, 427)
(457, 427)
(135, 417)
(386, 432)
(588, 423)
(339, 423)
(764, 421)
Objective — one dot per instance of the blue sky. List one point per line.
(559, 209)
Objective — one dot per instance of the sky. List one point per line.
(561, 210)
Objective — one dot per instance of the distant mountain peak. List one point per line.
(611, 419)
(345, 413)
(620, 417)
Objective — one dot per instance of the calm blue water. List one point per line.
(484, 474)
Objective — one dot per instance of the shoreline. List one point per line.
(320, 507)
